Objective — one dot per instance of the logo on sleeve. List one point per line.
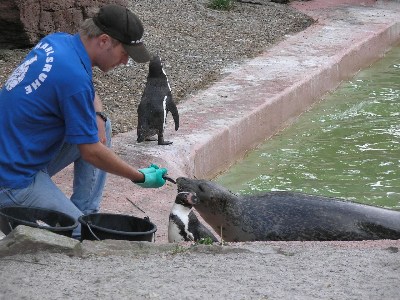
(19, 73)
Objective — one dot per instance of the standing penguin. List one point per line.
(183, 223)
(155, 104)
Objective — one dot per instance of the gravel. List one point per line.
(198, 45)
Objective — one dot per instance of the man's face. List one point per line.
(111, 55)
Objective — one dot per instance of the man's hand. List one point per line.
(152, 168)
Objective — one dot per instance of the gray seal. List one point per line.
(155, 104)
(184, 224)
(288, 216)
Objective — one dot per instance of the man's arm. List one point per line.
(105, 159)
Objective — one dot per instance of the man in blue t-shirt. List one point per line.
(50, 116)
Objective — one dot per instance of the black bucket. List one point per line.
(57, 222)
(101, 226)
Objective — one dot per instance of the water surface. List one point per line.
(346, 146)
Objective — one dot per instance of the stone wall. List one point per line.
(24, 22)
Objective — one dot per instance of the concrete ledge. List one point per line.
(24, 239)
(29, 240)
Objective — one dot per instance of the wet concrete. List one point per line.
(254, 101)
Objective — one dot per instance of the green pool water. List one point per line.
(347, 145)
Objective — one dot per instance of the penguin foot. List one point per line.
(164, 142)
(150, 139)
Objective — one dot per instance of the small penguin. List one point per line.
(155, 104)
(183, 223)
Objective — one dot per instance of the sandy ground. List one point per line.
(269, 270)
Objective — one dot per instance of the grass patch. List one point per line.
(178, 249)
(205, 241)
(221, 4)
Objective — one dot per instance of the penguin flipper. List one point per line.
(171, 106)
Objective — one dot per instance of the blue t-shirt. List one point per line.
(48, 99)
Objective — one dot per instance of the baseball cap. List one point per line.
(123, 25)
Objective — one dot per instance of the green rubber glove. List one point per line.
(153, 177)
(152, 168)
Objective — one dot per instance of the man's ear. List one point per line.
(104, 40)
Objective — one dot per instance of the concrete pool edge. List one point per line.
(231, 142)
(220, 124)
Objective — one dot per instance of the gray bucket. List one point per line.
(102, 226)
(54, 221)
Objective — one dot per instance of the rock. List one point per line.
(25, 239)
(24, 22)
